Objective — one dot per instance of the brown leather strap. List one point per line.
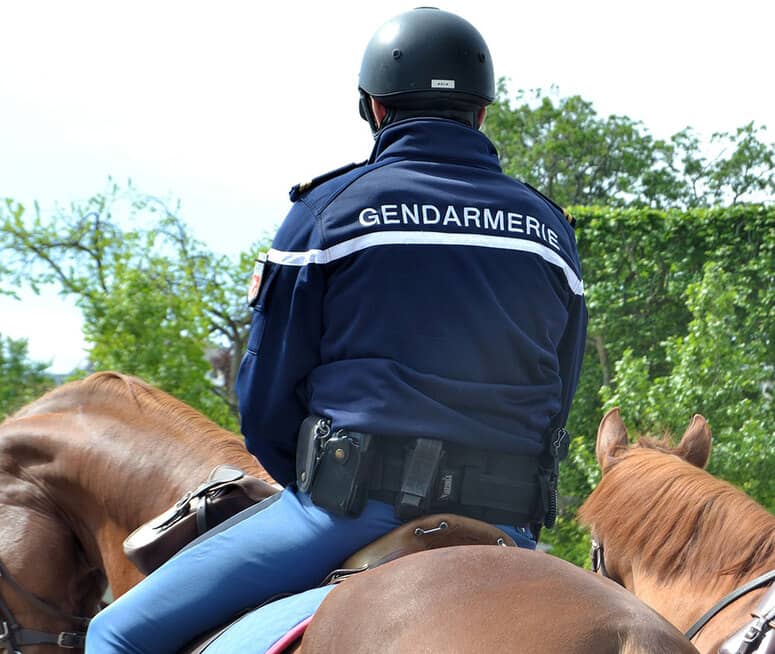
(736, 594)
(427, 533)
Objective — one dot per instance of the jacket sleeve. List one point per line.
(283, 347)
(571, 355)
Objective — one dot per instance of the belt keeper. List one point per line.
(420, 472)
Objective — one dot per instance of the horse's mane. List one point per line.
(112, 389)
(676, 518)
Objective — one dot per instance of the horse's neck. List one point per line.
(105, 476)
(682, 601)
(686, 598)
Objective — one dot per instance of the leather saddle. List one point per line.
(228, 490)
(425, 533)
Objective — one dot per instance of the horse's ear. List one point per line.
(611, 434)
(695, 444)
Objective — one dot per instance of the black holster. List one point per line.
(418, 484)
(334, 467)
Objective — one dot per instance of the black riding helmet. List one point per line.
(426, 62)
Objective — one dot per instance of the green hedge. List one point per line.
(682, 321)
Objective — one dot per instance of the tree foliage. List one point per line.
(21, 379)
(682, 321)
(155, 302)
(565, 149)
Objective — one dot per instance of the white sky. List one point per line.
(226, 105)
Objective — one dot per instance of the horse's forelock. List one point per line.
(676, 518)
(661, 444)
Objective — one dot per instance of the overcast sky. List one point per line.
(226, 105)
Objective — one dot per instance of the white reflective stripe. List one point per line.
(345, 248)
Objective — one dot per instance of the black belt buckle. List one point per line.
(419, 480)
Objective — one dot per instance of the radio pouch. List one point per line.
(340, 483)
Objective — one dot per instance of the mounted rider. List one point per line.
(417, 336)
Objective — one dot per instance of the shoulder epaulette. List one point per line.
(300, 189)
(568, 215)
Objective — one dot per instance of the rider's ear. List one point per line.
(695, 444)
(480, 116)
(379, 110)
(611, 435)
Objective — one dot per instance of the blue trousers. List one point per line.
(285, 545)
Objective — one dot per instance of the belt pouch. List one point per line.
(420, 471)
(341, 480)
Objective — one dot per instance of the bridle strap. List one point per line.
(13, 635)
(598, 565)
(37, 602)
(598, 559)
(736, 594)
(17, 637)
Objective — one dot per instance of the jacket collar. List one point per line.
(435, 139)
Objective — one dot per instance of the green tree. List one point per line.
(722, 365)
(155, 302)
(21, 379)
(743, 168)
(747, 171)
(682, 321)
(565, 149)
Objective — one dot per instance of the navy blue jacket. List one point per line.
(422, 293)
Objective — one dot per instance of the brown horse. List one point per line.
(679, 538)
(80, 468)
(92, 460)
(478, 598)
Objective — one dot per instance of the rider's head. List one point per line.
(426, 62)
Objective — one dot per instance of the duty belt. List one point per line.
(494, 487)
(341, 469)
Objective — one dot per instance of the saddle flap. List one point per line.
(427, 533)
(224, 474)
(227, 491)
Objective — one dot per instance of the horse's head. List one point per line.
(48, 587)
(632, 507)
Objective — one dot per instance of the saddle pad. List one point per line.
(271, 628)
